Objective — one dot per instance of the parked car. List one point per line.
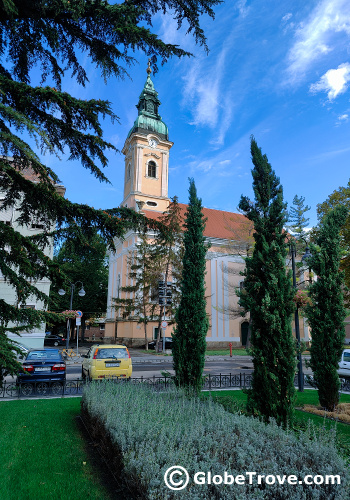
(168, 343)
(44, 371)
(54, 340)
(23, 351)
(106, 361)
(344, 364)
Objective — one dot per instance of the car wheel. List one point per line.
(26, 389)
(55, 343)
(56, 388)
(42, 388)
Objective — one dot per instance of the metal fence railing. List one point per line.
(11, 390)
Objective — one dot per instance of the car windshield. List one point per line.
(34, 355)
(347, 356)
(115, 352)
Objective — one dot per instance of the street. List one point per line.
(149, 368)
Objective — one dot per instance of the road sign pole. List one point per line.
(77, 339)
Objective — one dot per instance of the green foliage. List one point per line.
(339, 197)
(200, 435)
(297, 222)
(51, 37)
(268, 297)
(189, 338)
(170, 251)
(144, 273)
(83, 262)
(327, 313)
(296, 218)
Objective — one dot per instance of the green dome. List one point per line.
(148, 119)
(147, 124)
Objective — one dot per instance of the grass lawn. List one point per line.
(43, 454)
(226, 352)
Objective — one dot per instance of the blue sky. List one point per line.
(277, 70)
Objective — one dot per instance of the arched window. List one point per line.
(128, 173)
(152, 169)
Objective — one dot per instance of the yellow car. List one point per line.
(106, 361)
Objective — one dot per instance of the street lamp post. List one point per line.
(296, 321)
(307, 255)
(81, 293)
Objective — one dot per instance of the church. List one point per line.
(147, 155)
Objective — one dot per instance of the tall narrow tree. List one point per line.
(189, 339)
(268, 296)
(326, 313)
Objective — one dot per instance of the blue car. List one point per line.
(44, 372)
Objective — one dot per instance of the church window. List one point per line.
(151, 203)
(152, 169)
(128, 173)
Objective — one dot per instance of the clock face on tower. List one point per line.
(153, 143)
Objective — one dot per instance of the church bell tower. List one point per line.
(146, 151)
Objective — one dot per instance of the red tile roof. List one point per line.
(220, 224)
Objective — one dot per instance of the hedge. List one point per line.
(144, 432)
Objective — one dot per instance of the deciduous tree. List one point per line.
(143, 275)
(170, 251)
(86, 263)
(339, 197)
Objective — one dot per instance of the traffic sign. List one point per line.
(164, 324)
(78, 314)
(78, 322)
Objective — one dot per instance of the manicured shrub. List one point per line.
(151, 431)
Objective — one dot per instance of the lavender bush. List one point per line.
(154, 431)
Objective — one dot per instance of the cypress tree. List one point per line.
(327, 313)
(268, 296)
(189, 339)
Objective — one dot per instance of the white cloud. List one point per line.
(287, 17)
(242, 7)
(344, 118)
(202, 89)
(316, 37)
(334, 82)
